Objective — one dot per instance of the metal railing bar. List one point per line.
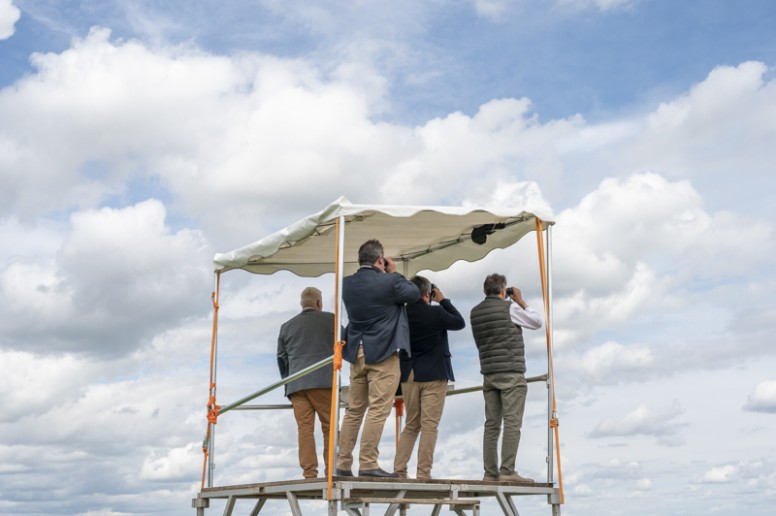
(279, 383)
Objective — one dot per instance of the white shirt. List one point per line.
(527, 318)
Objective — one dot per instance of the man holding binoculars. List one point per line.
(497, 327)
(424, 375)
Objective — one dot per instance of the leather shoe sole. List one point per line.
(379, 472)
(514, 477)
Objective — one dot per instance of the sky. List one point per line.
(139, 138)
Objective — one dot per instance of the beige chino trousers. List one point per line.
(372, 391)
(424, 403)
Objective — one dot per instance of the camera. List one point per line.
(433, 294)
(509, 292)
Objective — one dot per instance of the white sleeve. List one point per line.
(527, 318)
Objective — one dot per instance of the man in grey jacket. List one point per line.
(497, 326)
(377, 331)
(304, 340)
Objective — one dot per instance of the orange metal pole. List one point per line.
(548, 329)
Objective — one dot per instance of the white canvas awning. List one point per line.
(416, 237)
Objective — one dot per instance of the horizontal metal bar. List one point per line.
(238, 405)
(263, 407)
(280, 383)
(531, 379)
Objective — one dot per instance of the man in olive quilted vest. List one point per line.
(497, 325)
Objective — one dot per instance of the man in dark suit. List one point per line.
(304, 340)
(424, 375)
(377, 331)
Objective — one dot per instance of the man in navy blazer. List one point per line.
(424, 375)
(377, 332)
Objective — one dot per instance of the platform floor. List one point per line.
(363, 495)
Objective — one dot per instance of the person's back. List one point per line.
(308, 338)
(424, 375)
(499, 341)
(377, 331)
(304, 340)
(374, 302)
(497, 329)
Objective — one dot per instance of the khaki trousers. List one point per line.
(307, 403)
(372, 391)
(505, 395)
(424, 402)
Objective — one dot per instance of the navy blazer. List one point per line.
(428, 340)
(377, 319)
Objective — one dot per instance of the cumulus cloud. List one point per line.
(662, 423)
(120, 276)
(720, 474)
(763, 399)
(615, 359)
(9, 15)
(680, 138)
(225, 137)
(665, 240)
(33, 384)
(492, 9)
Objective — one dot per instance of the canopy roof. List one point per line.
(416, 237)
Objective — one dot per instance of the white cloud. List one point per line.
(720, 474)
(642, 421)
(9, 15)
(115, 268)
(612, 358)
(171, 463)
(33, 384)
(492, 9)
(232, 139)
(763, 399)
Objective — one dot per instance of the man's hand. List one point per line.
(517, 297)
(390, 265)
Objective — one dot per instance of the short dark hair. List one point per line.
(369, 252)
(494, 283)
(422, 283)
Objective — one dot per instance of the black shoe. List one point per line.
(344, 473)
(379, 472)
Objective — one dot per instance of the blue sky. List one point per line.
(139, 138)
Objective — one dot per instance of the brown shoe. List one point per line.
(514, 477)
(489, 478)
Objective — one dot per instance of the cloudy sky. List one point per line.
(138, 138)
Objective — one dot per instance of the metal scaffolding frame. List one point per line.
(354, 495)
(360, 496)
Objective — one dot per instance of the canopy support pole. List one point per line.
(337, 368)
(208, 445)
(552, 410)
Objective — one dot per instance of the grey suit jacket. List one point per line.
(304, 340)
(377, 317)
